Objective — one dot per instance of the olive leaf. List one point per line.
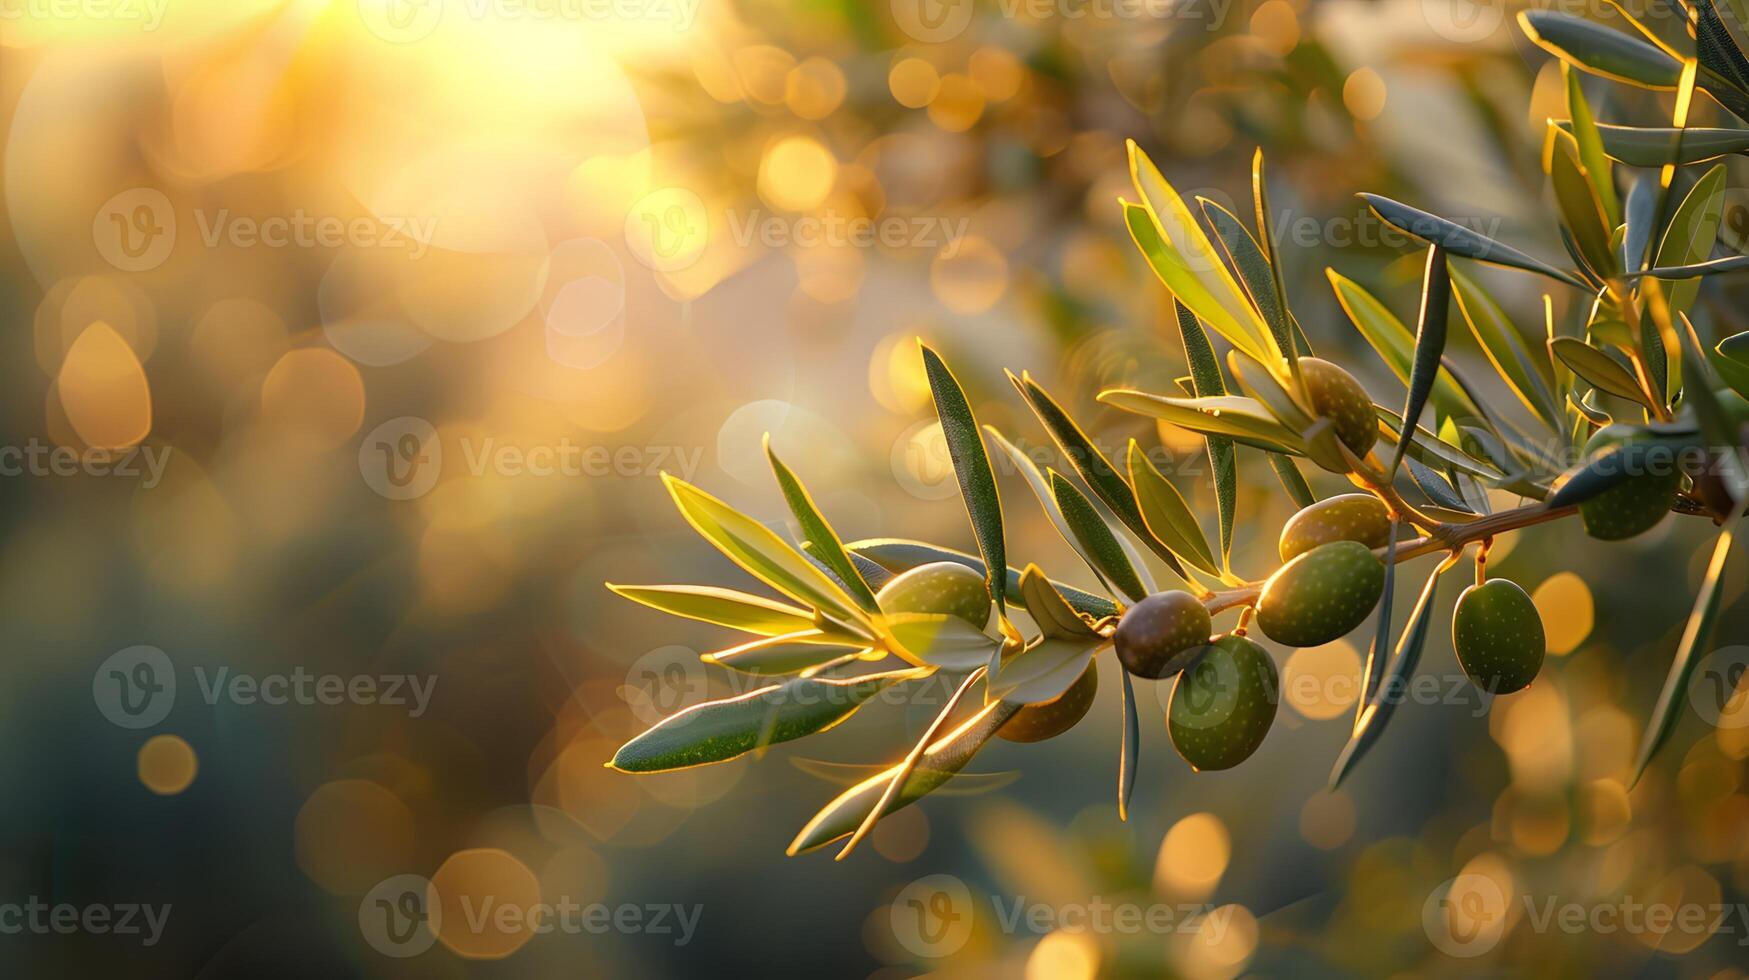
(1701, 621)
(1041, 489)
(1600, 50)
(1583, 127)
(1375, 712)
(1243, 420)
(899, 554)
(1597, 368)
(1459, 240)
(1580, 208)
(1641, 214)
(1639, 146)
(1718, 53)
(1730, 263)
(1129, 747)
(1377, 658)
(1219, 300)
(761, 552)
(1396, 345)
(965, 445)
(825, 541)
(938, 763)
(1092, 465)
(1254, 272)
(1261, 385)
(849, 774)
(942, 640)
(1205, 373)
(1272, 255)
(1435, 486)
(1168, 517)
(1730, 358)
(717, 731)
(1689, 237)
(1094, 538)
(1505, 348)
(1053, 615)
(1044, 670)
(786, 654)
(1429, 346)
(1433, 450)
(723, 607)
(1292, 480)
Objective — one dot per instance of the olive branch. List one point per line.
(1656, 420)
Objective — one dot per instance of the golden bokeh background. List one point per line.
(395, 310)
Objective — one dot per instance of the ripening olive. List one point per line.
(1162, 633)
(1037, 722)
(1350, 517)
(1321, 595)
(938, 587)
(1498, 635)
(1222, 706)
(1335, 395)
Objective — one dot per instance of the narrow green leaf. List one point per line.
(1434, 451)
(1092, 465)
(1254, 271)
(1041, 489)
(1044, 670)
(1242, 420)
(1292, 480)
(1168, 517)
(849, 774)
(1583, 126)
(1614, 466)
(718, 731)
(1716, 48)
(1692, 647)
(965, 445)
(1095, 539)
(785, 654)
(939, 762)
(899, 554)
(1049, 610)
(761, 552)
(1639, 146)
(1731, 360)
(1459, 240)
(1437, 488)
(723, 607)
(1597, 368)
(942, 640)
(1129, 748)
(1377, 657)
(1396, 345)
(1429, 345)
(1272, 255)
(1376, 713)
(1205, 373)
(1261, 385)
(1600, 50)
(1182, 235)
(827, 544)
(1689, 237)
(1730, 263)
(1505, 348)
(1642, 214)
(1580, 208)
